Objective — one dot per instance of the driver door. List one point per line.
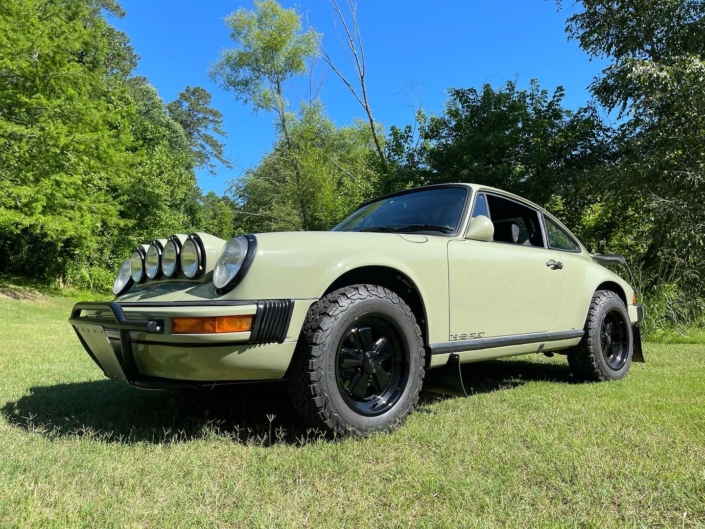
(506, 286)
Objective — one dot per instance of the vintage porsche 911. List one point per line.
(411, 284)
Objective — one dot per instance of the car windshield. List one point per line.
(431, 210)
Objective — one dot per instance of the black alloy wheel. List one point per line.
(372, 366)
(606, 350)
(360, 362)
(615, 340)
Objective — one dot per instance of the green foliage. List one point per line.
(271, 49)
(192, 111)
(91, 159)
(155, 195)
(80, 276)
(523, 141)
(214, 215)
(335, 176)
(64, 128)
(654, 192)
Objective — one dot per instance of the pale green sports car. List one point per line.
(410, 285)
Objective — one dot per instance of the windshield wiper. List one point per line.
(380, 229)
(425, 227)
(410, 228)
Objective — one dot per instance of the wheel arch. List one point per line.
(616, 288)
(392, 279)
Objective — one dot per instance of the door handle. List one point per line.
(554, 265)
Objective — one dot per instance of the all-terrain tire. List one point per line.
(314, 376)
(588, 360)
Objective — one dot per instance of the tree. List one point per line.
(154, 198)
(336, 176)
(64, 130)
(271, 50)
(655, 82)
(193, 112)
(213, 214)
(356, 53)
(523, 141)
(91, 162)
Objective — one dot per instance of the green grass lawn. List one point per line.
(529, 448)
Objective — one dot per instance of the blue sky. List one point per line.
(415, 51)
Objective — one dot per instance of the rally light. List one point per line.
(153, 260)
(123, 280)
(216, 325)
(137, 264)
(191, 258)
(171, 257)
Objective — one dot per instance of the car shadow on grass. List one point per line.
(497, 375)
(262, 414)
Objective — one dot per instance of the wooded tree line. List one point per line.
(92, 161)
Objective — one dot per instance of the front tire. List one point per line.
(359, 364)
(605, 352)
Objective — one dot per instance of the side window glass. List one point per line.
(557, 238)
(518, 227)
(480, 206)
(514, 222)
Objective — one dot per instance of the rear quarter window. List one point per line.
(558, 239)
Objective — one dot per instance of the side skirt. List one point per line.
(448, 379)
(503, 341)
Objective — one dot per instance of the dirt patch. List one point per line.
(21, 294)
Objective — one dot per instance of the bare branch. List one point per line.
(335, 162)
(315, 92)
(355, 51)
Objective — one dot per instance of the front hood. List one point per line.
(323, 237)
(302, 265)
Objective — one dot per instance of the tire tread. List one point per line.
(583, 359)
(306, 370)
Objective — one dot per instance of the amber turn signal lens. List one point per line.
(215, 325)
(634, 298)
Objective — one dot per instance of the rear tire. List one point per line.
(359, 364)
(605, 352)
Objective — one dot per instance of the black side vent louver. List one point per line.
(272, 321)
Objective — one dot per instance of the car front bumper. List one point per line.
(132, 342)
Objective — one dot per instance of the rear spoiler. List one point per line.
(610, 259)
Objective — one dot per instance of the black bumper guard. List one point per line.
(123, 353)
(270, 326)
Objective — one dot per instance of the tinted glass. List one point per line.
(433, 210)
(480, 207)
(557, 238)
(514, 223)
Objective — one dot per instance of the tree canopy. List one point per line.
(91, 159)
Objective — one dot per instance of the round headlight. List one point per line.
(170, 258)
(153, 260)
(123, 281)
(230, 262)
(191, 259)
(137, 265)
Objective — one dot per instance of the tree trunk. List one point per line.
(294, 161)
